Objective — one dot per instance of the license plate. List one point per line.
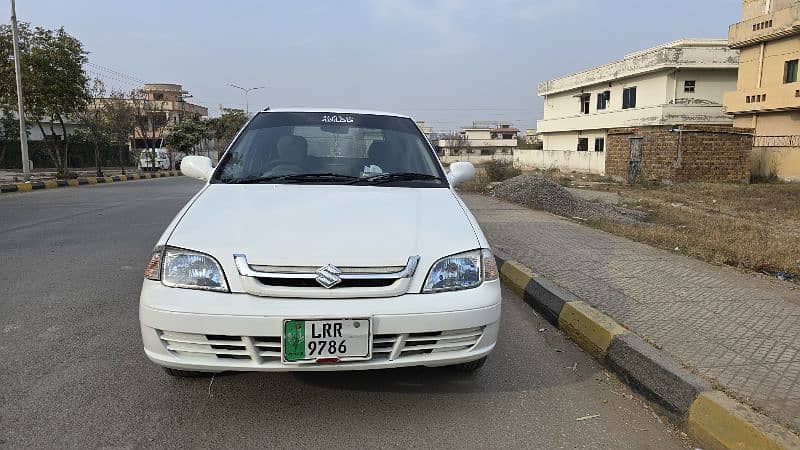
(326, 340)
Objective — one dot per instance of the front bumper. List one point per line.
(209, 331)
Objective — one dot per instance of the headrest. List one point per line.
(292, 148)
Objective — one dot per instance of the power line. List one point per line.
(119, 82)
(115, 72)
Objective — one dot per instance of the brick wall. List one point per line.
(715, 153)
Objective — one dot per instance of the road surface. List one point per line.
(73, 372)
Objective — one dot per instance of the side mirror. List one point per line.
(460, 172)
(197, 167)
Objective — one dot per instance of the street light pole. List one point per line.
(246, 97)
(23, 130)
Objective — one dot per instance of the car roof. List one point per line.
(335, 111)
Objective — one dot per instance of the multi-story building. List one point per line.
(767, 96)
(162, 104)
(482, 141)
(677, 86)
(532, 137)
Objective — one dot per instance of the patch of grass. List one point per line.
(756, 227)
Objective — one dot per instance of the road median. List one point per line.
(81, 181)
(711, 417)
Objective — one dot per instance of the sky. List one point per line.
(447, 62)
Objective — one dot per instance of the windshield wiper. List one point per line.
(400, 176)
(295, 178)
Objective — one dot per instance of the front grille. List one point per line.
(312, 283)
(267, 349)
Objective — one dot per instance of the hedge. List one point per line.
(81, 155)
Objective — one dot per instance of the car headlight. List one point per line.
(181, 268)
(462, 271)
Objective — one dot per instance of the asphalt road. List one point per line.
(73, 372)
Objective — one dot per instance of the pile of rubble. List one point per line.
(540, 192)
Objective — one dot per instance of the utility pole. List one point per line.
(23, 130)
(246, 100)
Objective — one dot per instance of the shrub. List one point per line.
(499, 170)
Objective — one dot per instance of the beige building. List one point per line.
(532, 136)
(679, 83)
(162, 104)
(767, 96)
(478, 143)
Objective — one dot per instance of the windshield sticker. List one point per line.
(337, 119)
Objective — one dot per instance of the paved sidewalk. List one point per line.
(737, 330)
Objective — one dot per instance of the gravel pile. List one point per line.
(540, 192)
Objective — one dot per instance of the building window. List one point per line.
(583, 144)
(158, 96)
(629, 98)
(585, 98)
(599, 144)
(688, 86)
(790, 72)
(602, 100)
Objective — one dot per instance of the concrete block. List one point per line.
(588, 327)
(717, 421)
(516, 276)
(654, 374)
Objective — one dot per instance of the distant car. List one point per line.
(323, 240)
(147, 162)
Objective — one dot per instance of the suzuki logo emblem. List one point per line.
(328, 276)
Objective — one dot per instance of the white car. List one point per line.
(323, 240)
(158, 160)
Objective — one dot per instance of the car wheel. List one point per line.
(469, 367)
(186, 373)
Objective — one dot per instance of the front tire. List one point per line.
(469, 367)
(186, 373)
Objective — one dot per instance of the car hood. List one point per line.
(315, 225)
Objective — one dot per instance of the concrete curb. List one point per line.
(712, 418)
(51, 184)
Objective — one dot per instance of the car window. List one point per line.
(279, 147)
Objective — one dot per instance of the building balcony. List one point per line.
(776, 98)
(768, 27)
(636, 117)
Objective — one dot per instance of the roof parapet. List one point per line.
(685, 53)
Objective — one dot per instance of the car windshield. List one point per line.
(331, 148)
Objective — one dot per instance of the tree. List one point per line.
(9, 131)
(457, 143)
(120, 123)
(185, 135)
(224, 128)
(92, 121)
(150, 119)
(54, 83)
